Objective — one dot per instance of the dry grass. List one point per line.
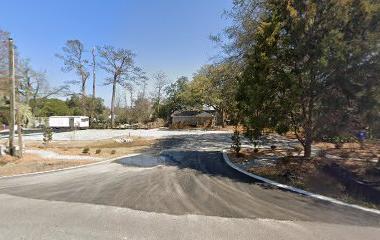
(106, 147)
(371, 150)
(247, 154)
(32, 163)
(308, 174)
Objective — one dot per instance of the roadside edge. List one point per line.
(293, 189)
(70, 168)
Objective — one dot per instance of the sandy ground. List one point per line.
(34, 163)
(63, 154)
(99, 134)
(106, 148)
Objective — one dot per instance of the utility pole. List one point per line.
(12, 97)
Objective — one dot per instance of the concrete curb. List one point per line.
(70, 168)
(296, 190)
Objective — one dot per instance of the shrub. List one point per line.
(338, 145)
(285, 160)
(86, 150)
(236, 143)
(255, 150)
(113, 151)
(298, 149)
(289, 152)
(273, 147)
(321, 153)
(47, 135)
(338, 140)
(345, 154)
(98, 151)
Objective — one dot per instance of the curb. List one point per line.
(296, 190)
(70, 168)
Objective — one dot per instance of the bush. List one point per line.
(47, 135)
(298, 149)
(345, 154)
(179, 125)
(338, 145)
(339, 140)
(98, 151)
(321, 153)
(113, 151)
(86, 150)
(289, 152)
(273, 147)
(255, 150)
(236, 143)
(285, 160)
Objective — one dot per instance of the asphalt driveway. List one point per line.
(180, 189)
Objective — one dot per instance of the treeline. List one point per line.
(38, 99)
(31, 85)
(310, 67)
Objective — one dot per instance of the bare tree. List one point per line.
(144, 83)
(93, 65)
(33, 84)
(4, 79)
(74, 60)
(161, 81)
(129, 88)
(119, 64)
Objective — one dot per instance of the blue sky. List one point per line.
(167, 35)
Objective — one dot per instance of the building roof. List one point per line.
(68, 116)
(191, 114)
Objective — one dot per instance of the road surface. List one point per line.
(186, 192)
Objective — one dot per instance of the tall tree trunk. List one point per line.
(93, 73)
(308, 128)
(131, 98)
(83, 88)
(113, 103)
(223, 116)
(219, 116)
(28, 90)
(308, 142)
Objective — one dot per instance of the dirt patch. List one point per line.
(311, 175)
(32, 163)
(248, 154)
(101, 148)
(369, 151)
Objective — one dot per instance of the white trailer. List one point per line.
(72, 122)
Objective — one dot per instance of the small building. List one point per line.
(193, 118)
(70, 122)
